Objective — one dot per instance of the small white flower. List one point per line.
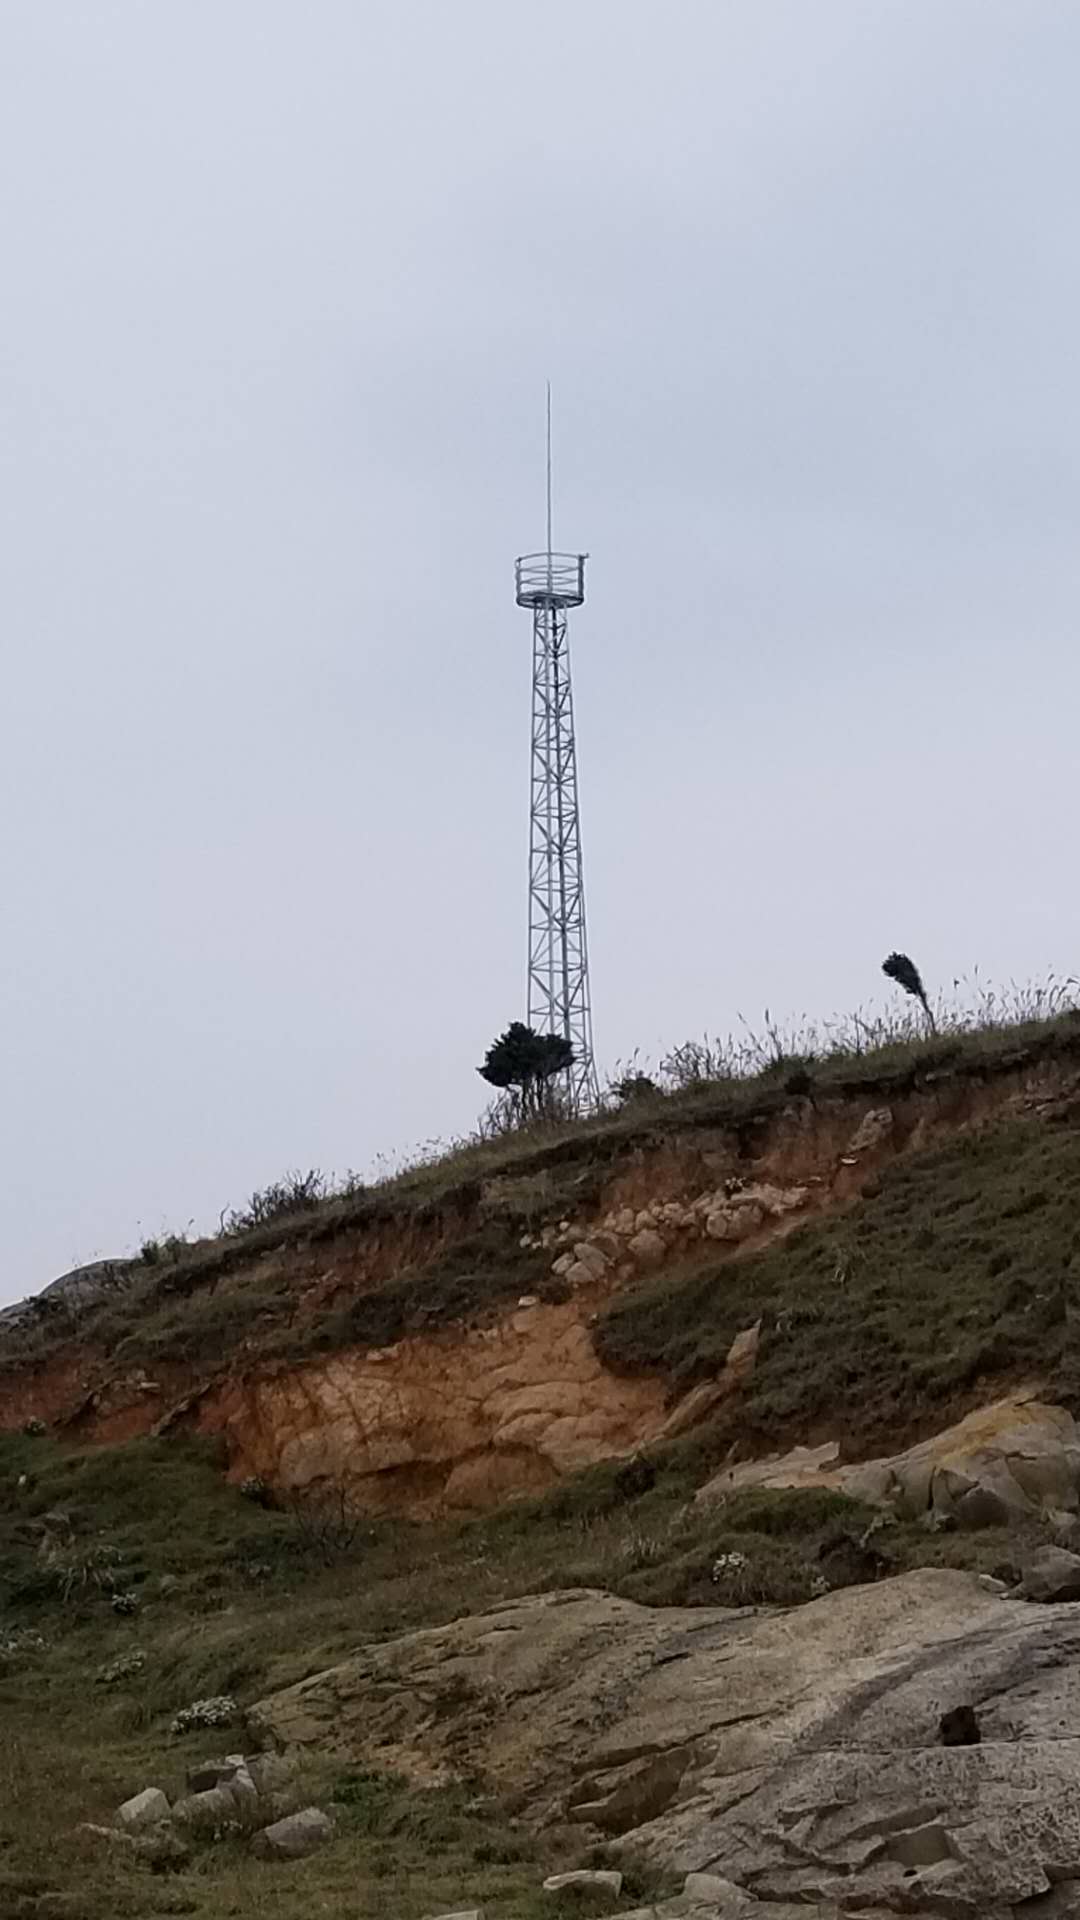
(729, 1563)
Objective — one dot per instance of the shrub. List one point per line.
(218, 1711)
(295, 1193)
(126, 1666)
(328, 1523)
(72, 1570)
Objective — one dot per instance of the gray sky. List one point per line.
(281, 287)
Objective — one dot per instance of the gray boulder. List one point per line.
(802, 1749)
(1051, 1574)
(298, 1834)
(585, 1881)
(144, 1809)
(208, 1812)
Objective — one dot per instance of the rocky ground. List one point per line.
(783, 1619)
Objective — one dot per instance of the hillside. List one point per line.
(541, 1364)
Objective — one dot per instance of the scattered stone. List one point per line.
(590, 1256)
(981, 1507)
(125, 1602)
(958, 1728)
(1051, 1574)
(212, 1811)
(713, 1891)
(212, 1773)
(462, 1913)
(144, 1809)
(609, 1244)
(647, 1247)
(298, 1834)
(245, 1796)
(1065, 1528)
(991, 1584)
(563, 1264)
(874, 1127)
(271, 1772)
(585, 1881)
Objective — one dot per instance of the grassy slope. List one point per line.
(253, 1611)
(192, 1304)
(961, 1268)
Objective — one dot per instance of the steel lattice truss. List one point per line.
(558, 954)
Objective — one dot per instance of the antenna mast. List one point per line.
(558, 976)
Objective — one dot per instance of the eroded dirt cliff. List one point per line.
(448, 1349)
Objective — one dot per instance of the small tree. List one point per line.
(906, 975)
(526, 1063)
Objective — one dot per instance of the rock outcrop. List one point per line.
(798, 1756)
(1016, 1457)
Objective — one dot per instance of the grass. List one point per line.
(246, 1609)
(202, 1298)
(962, 1268)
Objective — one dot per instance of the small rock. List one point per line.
(462, 1913)
(981, 1507)
(873, 1128)
(563, 1264)
(145, 1809)
(609, 1244)
(245, 1796)
(590, 1256)
(271, 1772)
(719, 1895)
(647, 1247)
(298, 1834)
(1065, 1528)
(1052, 1573)
(211, 1773)
(207, 1812)
(585, 1881)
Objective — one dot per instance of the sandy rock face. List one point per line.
(796, 1755)
(433, 1423)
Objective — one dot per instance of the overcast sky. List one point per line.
(282, 283)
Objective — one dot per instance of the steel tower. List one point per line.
(549, 584)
